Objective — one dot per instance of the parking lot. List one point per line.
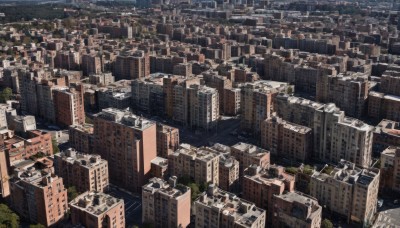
(133, 205)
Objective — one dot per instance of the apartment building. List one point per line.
(390, 169)
(283, 138)
(383, 106)
(101, 79)
(348, 190)
(221, 83)
(181, 103)
(217, 208)
(228, 173)
(295, 209)
(81, 138)
(204, 107)
(184, 69)
(232, 101)
(148, 96)
(33, 142)
(119, 97)
(386, 133)
(91, 64)
(348, 91)
(248, 154)
(167, 140)
(116, 31)
(159, 167)
(38, 196)
(169, 83)
(257, 103)
(200, 164)
(128, 143)
(336, 136)
(97, 209)
(132, 65)
(300, 69)
(166, 204)
(259, 185)
(68, 106)
(390, 81)
(27, 85)
(85, 172)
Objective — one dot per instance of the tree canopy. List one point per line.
(326, 223)
(72, 193)
(5, 95)
(8, 218)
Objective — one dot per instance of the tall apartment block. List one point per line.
(184, 69)
(336, 136)
(383, 106)
(147, 95)
(390, 169)
(85, 172)
(260, 185)
(165, 204)
(221, 83)
(128, 143)
(348, 190)
(91, 64)
(348, 138)
(290, 140)
(390, 81)
(69, 107)
(27, 82)
(294, 209)
(200, 164)
(180, 98)
(203, 107)
(217, 208)
(228, 173)
(169, 83)
(232, 101)
(248, 154)
(167, 140)
(348, 91)
(386, 133)
(81, 138)
(257, 103)
(38, 197)
(97, 209)
(132, 66)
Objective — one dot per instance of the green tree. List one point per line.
(72, 193)
(8, 218)
(5, 95)
(195, 191)
(328, 169)
(56, 149)
(326, 223)
(291, 170)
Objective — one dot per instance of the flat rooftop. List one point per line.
(95, 203)
(85, 160)
(124, 118)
